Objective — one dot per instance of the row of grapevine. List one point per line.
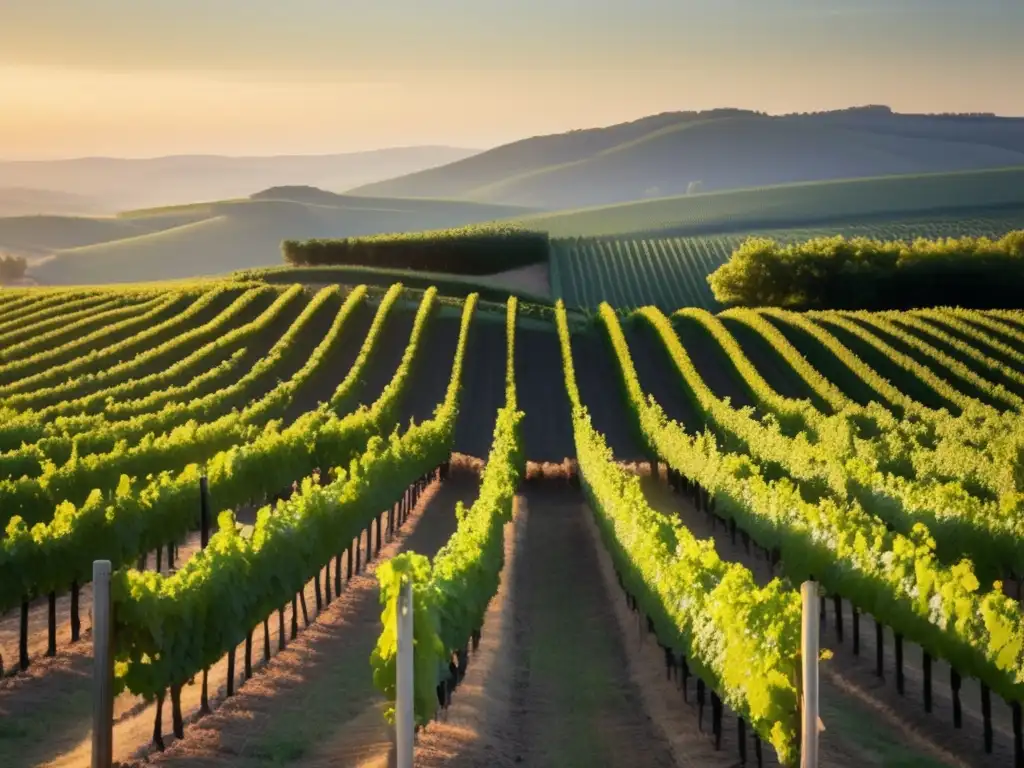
(51, 455)
(968, 325)
(33, 498)
(451, 593)
(54, 314)
(833, 463)
(920, 437)
(78, 326)
(819, 384)
(16, 305)
(743, 641)
(631, 272)
(794, 414)
(889, 394)
(667, 271)
(978, 449)
(124, 375)
(64, 400)
(146, 513)
(1010, 324)
(85, 360)
(922, 373)
(951, 367)
(288, 545)
(896, 578)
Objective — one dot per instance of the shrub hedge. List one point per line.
(836, 273)
(471, 250)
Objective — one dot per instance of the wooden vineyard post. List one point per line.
(76, 621)
(103, 667)
(51, 625)
(23, 637)
(204, 539)
(809, 660)
(204, 512)
(404, 693)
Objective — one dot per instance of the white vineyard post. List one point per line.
(404, 710)
(103, 667)
(809, 657)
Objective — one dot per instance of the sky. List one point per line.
(140, 78)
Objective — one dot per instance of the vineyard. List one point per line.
(606, 520)
(669, 271)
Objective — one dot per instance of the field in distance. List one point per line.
(215, 238)
(667, 271)
(655, 252)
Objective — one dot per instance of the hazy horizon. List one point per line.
(121, 79)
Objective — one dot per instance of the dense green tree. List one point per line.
(836, 273)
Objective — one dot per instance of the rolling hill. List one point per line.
(663, 155)
(214, 238)
(113, 184)
(794, 205)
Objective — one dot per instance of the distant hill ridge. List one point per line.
(663, 155)
(117, 184)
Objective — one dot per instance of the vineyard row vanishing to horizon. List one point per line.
(254, 434)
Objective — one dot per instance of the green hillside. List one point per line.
(723, 149)
(794, 205)
(213, 238)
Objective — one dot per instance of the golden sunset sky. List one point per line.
(156, 77)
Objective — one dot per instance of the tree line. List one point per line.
(861, 273)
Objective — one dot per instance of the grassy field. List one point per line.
(837, 435)
(671, 271)
(793, 205)
(214, 238)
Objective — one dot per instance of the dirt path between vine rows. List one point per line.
(867, 722)
(550, 684)
(573, 702)
(562, 677)
(315, 703)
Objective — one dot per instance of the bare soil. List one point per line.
(572, 701)
(533, 279)
(599, 380)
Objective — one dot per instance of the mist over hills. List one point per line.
(673, 153)
(110, 185)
